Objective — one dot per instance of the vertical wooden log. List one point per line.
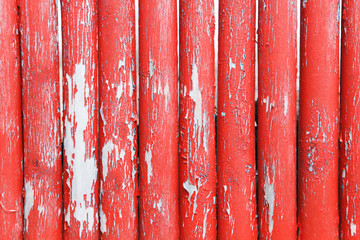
(236, 121)
(319, 120)
(197, 120)
(277, 119)
(79, 25)
(158, 128)
(350, 121)
(41, 111)
(118, 127)
(11, 153)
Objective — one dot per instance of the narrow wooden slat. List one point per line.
(118, 126)
(197, 120)
(319, 120)
(158, 120)
(236, 121)
(81, 185)
(41, 110)
(11, 152)
(277, 119)
(350, 121)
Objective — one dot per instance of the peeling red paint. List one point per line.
(197, 120)
(11, 154)
(350, 122)
(158, 120)
(277, 119)
(81, 186)
(41, 124)
(118, 127)
(236, 121)
(318, 215)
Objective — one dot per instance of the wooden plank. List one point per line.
(236, 121)
(158, 120)
(350, 122)
(118, 125)
(81, 185)
(11, 152)
(197, 120)
(318, 214)
(277, 119)
(41, 124)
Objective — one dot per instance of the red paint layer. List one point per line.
(158, 128)
(350, 122)
(81, 186)
(11, 175)
(197, 120)
(318, 215)
(236, 121)
(277, 119)
(118, 128)
(41, 111)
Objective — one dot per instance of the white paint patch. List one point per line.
(266, 101)
(67, 215)
(122, 154)
(102, 117)
(191, 189)
(167, 94)
(151, 67)
(195, 95)
(231, 64)
(270, 199)
(304, 3)
(29, 202)
(106, 151)
(206, 211)
(286, 105)
(159, 205)
(102, 220)
(148, 156)
(41, 209)
(131, 138)
(131, 85)
(84, 169)
(353, 229)
(119, 90)
(206, 135)
(122, 63)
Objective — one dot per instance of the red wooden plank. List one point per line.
(277, 119)
(236, 121)
(158, 123)
(41, 110)
(318, 120)
(81, 187)
(197, 121)
(350, 121)
(11, 153)
(118, 127)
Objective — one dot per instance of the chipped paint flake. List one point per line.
(191, 189)
(195, 95)
(29, 202)
(84, 169)
(102, 220)
(148, 156)
(231, 64)
(106, 151)
(206, 211)
(270, 199)
(353, 229)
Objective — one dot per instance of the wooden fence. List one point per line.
(113, 151)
